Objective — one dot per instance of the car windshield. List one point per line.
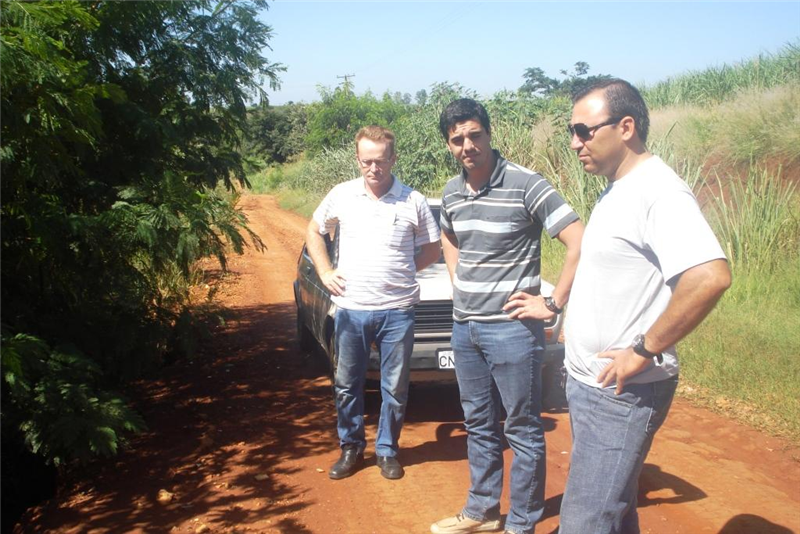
(436, 210)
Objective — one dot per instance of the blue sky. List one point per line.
(486, 46)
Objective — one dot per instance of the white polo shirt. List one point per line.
(377, 242)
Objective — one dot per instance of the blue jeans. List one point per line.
(611, 436)
(392, 331)
(498, 366)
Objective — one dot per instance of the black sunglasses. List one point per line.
(585, 133)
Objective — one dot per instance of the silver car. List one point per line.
(432, 359)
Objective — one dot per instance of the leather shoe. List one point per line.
(390, 467)
(348, 463)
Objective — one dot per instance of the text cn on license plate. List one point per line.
(445, 357)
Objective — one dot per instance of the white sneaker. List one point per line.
(459, 524)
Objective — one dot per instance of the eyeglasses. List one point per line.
(585, 133)
(367, 163)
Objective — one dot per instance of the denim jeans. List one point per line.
(498, 366)
(392, 331)
(611, 436)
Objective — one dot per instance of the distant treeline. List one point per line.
(285, 133)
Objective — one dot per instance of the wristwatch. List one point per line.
(638, 348)
(550, 304)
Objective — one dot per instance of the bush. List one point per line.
(120, 127)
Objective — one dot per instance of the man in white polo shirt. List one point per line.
(382, 224)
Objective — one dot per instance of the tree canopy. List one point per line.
(121, 128)
(538, 83)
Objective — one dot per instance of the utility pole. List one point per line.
(347, 84)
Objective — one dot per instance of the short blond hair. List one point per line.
(377, 134)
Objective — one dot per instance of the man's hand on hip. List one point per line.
(523, 305)
(334, 282)
(624, 364)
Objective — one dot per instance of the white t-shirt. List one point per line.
(646, 229)
(377, 243)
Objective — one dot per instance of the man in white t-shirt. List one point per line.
(386, 234)
(650, 271)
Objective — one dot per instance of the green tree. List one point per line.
(539, 84)
(119, 122)
(275, 133)
(334, 120)
(421, 97)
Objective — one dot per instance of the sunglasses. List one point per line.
(585, 133)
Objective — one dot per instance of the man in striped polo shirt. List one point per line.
(492, 218)
(382, 224)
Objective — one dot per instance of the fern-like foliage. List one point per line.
(120, 162)
(58, 401)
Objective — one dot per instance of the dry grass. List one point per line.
(754, 126)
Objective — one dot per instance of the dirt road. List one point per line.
(242, 437)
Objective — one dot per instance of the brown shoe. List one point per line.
(459, 524)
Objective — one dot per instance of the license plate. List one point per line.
(445, 358)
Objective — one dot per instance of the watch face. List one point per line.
(638, 348)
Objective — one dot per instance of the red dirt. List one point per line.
(243, 437)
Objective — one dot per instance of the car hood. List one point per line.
(434, 283)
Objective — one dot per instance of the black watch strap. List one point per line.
(550, 304)
(638, 348)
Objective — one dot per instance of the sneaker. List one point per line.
(461, 524)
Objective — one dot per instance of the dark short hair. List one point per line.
(461, 110)
(623, 100)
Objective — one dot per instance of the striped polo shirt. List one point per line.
(377, 243)
(498, 231)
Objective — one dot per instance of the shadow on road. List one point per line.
(750, 524)
(654, 480)
(248, 404)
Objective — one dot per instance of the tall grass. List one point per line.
(753, 126)
(562, 168)
(743, 358)
(282, 180)
(717, 84)
(756, 220)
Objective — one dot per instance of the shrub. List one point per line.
(120, 127)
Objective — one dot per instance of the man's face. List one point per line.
(375, 160)
(471, 145)
(602, 150)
